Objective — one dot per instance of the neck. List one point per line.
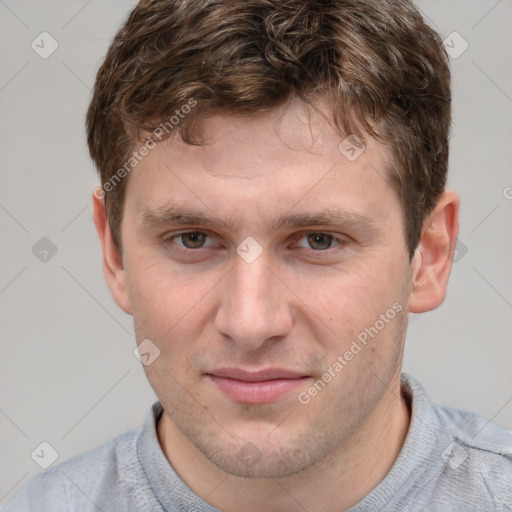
(336, 483)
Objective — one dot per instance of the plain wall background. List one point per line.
(68, 375)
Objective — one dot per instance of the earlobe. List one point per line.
(113, 267)
(433, 258)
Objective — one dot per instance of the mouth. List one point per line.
(258, 387)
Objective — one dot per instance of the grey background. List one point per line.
(68, 375)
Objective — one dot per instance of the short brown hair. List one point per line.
(376, 62)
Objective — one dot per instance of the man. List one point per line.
(273, 206)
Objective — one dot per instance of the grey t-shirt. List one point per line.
(451, 461)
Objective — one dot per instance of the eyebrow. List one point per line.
(183, 216)
(335, 217)
(175, 215)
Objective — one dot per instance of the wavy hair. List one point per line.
(382, 69)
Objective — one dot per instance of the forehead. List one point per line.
(295, 127)
(288, 159)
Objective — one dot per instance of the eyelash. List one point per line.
(339, 241)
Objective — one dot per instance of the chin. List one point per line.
(262, 458)
(268, 465)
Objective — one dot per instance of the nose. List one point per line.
(255, 305)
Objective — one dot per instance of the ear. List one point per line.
(432, 261)
(113, 268)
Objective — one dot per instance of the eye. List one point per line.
(318, 241)
(190, 239)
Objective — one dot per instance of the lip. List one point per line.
(258, 387)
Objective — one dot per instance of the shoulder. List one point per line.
(452, 459)
(479, 456)
(469, 429)
(477, 433)
(84, 480)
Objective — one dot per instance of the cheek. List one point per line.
(351, 303)
(165, 302)
(171, 310)
(347, 296)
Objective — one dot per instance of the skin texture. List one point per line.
(295, 307)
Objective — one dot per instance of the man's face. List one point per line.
(333, 265)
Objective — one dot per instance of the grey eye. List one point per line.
(319, 241)
(193, 239)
